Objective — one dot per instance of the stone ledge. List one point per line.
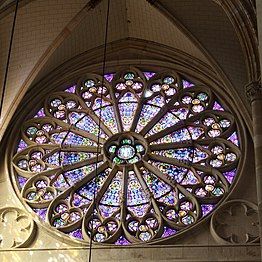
(192, 253)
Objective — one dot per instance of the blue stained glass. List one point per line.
(91, 188)
(147, 114)
(41, 212)
(71, 139)
(58, 138)
(176, 173)
(181, 113)
(127, 113)
(128, 97)
(169, 199)
(79, 201)
(157, 101)
(107, 211)
(22, 145)
(234, 139)
(89, 125)
(156, 186)
(139, 210)
(108, 117)
(61, 183)
(206, 209)
(135, 193)
(199, 155)
(77, 174)
(76, 234)
(177, 136)
(230, 175)
(185, 154)
(165, 122)
(68, 158)
(113, 194)
(190, 179)
(99, 104)
(22, 181)
(40, 113)
(168, 232)
(196, 132)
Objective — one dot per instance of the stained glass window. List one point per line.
(166, 154)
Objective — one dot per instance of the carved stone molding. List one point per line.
(234, 222)
(17, 229)
(254, 90)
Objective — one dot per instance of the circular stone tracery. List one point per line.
(125, 148)
(169, 153)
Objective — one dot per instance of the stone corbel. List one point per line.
(254, 90)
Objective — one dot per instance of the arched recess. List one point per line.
(152, 57)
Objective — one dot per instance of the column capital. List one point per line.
(254, 90)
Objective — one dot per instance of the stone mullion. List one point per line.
(254, 93)
(76, 130)
(140, 102)
(115, 108)
(185, 164)
(167, 131)
(123, 203)
(150, 194)
(96, 118)
(83, 163)
(99, 195)
(79, 148)
(164, 110)
(139, 108)
(174, 145)
(160, 175)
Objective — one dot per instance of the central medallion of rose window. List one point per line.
(126, 152)
(125, 148)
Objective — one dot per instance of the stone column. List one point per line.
(254, 93)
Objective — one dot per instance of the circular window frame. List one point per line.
(79, 74)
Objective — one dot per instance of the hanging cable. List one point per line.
(99, 127)
(8, 59)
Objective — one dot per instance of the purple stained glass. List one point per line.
(41, 212)
(122, 241)
(107, 211)
(71, 89)
(77, 234)
(206, 209)
(109, 77)
(168, 232)
(230, 175)
(22, 145)
(218, 107)
(234, 139)
(21, 181)
(187, 84)
(149, 75)
(40, 113)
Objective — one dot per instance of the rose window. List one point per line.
(140, 159)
